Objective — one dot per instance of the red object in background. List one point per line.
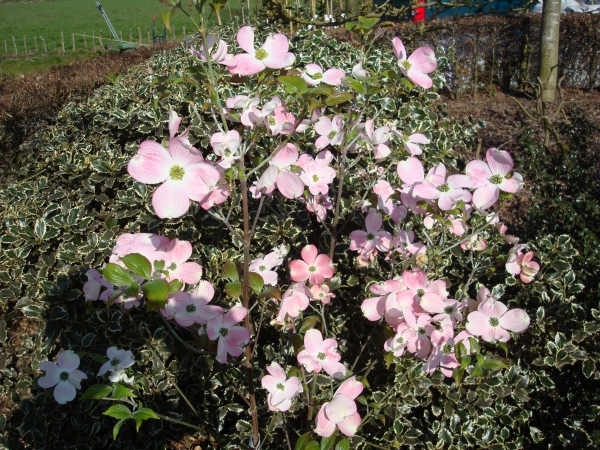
(154, 17)
(419, 13)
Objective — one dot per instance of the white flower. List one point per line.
(118, 361)
(63, 375)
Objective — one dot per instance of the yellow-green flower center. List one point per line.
(447, 349)
(497, 179)
(449, 309)
(321, 356)
(176, 173)
(190, 308)
(317, 76)
(280, 386)
(406, 65)
(115, 362)
(444, 187)
(315, 178)
(312, 268)
(261, 54)
(494, 321)
(64, 376)
(420, 292)
(400, 340)
(224, 331)
(332, 134)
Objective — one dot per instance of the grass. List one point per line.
(13, 67)
(48, 18)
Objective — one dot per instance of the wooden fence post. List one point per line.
(93, 40)
(35, 43)
(101, 45)
(44, 41)
(15, 44)
(25, 44)
(62, 41)
(73, 39)
(121, 35)
(84, 41)
(173, 26)
(5, 46)
(149, 38)
(140, 34)
(130, 35)
(184, 32)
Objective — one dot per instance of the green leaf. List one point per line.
(327, 443)
(271, 292)
(368, 23)
(116, 429)
(138, 264)
(312, 445)
(308, 323)
(132, 290)
(40, 228)
(493, 364)
(503, 346)
(293, 84)
(234, 290)
(588, 368)
(156, 293)
(97, 391)
(256, 282)
(143, 414)
(301, 443)
(121, 391)
(338, 98)
(230, 271)
(342, 445)
(458, 375)
(167, 16)
(117, 275)
(356, 85)
(118, 412)
(159, 265)
(175, 286)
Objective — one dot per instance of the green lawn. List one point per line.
(49, 18)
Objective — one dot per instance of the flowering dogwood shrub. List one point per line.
(378, 217)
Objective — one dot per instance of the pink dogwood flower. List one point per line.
(447, 192)
(410, 142)
(373, 238)
(341, 411)
(231, 338)
(491, 177)
(272, 54)
(421, 292)
(189, 308)
(313, 266)
(421, 62)
(294, 300)
(492, 321)
(319, 354)
(313, 75)
(64, 375)
(330, 131)
(263, 266)
(321, 292)
(182, 170)
(281, 389)
(219, 55)
(442, 356)
(118, 361)
(176, 257)
(226, 146)
(91, 288)
(279, 175)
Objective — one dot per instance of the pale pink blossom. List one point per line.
(452, 311)
(421, 62)
(398, 344)
(375, 308)
(410, 142)
(263, 266)
(320, 354)
(64, 375)
(492, 177)
(377, 139)
(522, 264)
(448, 192)
(294, 300)
(317, 177)
(419, 344)
(421, 292)
(331, 131)
(319, 204)
(492, 321)
(281, 389)
(279, 175)
(175, 256)
(91, 288)
(219, 55)
(442, 356)
(314, 75)
(272, 54)
(184, 174)
(321, 292)
(189, 308)
(474, 243)
(359, 73)
(118, 361)
(373, 238)
(231, 338)
(226, 146)
(341, 411)
(313, 266)
(404, 243)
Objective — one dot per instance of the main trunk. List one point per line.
(548, 72)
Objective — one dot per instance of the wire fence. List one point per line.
(31, 46)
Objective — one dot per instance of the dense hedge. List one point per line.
(67, 205)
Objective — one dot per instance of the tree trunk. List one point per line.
(548, 72)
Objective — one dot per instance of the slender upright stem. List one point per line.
(246, 297)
